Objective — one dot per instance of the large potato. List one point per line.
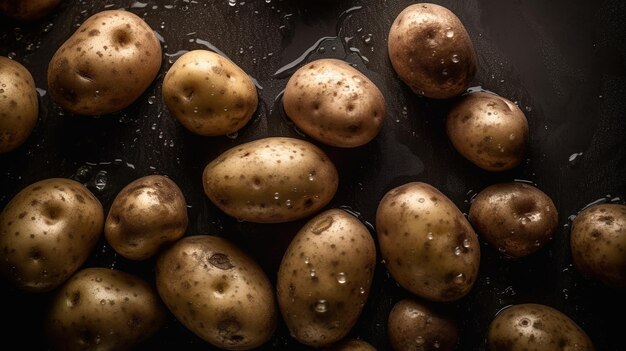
(535, 327)
(325, 276)
(488, 130)
(516, 218)
(271, 180)
(598, 243)
(209, 94)
(334, 103)
(428, 246)
(148, 213)
(105, 65)
(431, 51)
(47, 231)
(19, 107)
(218, 292)
(103, 309)
(27, 10)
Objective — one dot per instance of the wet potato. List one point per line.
(209, 94)
(271, 180)
(147, 214)
(334, 103)
(103, 309)
(19, 106)
(47, 231)
(325, 277)
(105, 65)
(218, 292)
(27, 10)
(428, 246)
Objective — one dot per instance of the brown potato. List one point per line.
(103, 309)
(598, 243)
(147, 214)
(431, 51)
(415, 326)
(47, 231)
(516, 218)
(488, 130)
(428, 246)
(535, 327)
(351, 345)
(105, 65)
(27, 10)
(209, 94)
(334, 103)
(19, 106)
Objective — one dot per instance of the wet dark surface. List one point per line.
(561, 61)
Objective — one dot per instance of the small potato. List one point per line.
(218, 292)
(431, 51)
(47, 231)
(271, 180)
(324, 278)
(103, 309)
(516, 218)
(19, 107)
(488, 130)
(27, 10)
(414, 326)
(428, 246)
(598, 243)
(209, 94)
(351, 345)
(145, 215)
(105, 65)
(334, 103)
(535, 327)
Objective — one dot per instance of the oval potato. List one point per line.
(428, 246)
(271, 180)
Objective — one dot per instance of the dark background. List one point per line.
(561, 61)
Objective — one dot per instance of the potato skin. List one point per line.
(148, 213)
(488, 130)
(516, 218)
(103, 309)
(431, 51)
(598, 243)
(428, 246)
(271, 180)
(351, 345)
(105, 65)
(27, 10)
(325, 277)
(334, 103)
(47, 231)
(218, 292)
(535, 327)
(19, 105)
(209, 94)
(414, 326)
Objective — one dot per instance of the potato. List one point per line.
(103, 309)
(325, 277)
(209, 94)
(334, 103)
(535, 327)
(516, 218)
(431, 51)
(488, 130)
(428, 246)
(351, 345)
(598, 243)
(147, 214)
(19, 107)
(27, 10)
(218, 292)
(271, 180)
(415, 326)
(105, 65)
(47, 231)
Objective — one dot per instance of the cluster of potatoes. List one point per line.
(218, 291)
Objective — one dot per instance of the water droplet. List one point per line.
(436, 344)
(100, 180)
(276, 196)
(232, 135)
(455, 58)
(449, 33)
(528, 108)
(457, 251)
(341, 278)
(419, 341)
(459, 278)
(322, 225)
(151, 100)
(512, 136)
(102, 302)
(430, 236)
(313, 274)
(362, 291)
(444, 72)
(11, 55)
(98, 279)
(574, 156)
(307, 261)
(421, 200)
(466, 243)
(321, 306)
(311, 177)
(288, 203)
